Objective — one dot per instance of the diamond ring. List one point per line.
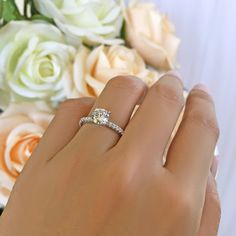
(101, 117)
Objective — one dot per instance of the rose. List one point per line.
(34, 61)
(20, 5)
(152, 35)
(22, 126)
(92, 22)
(93, 69)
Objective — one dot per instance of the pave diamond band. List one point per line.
(101, 117)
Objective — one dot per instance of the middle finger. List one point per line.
(149, 131)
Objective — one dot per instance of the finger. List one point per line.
(63, 127)
(190, 154)
(120, 96)
(214, 166)
(150, 129)
(212, 210)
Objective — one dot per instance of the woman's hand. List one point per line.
(88, 181)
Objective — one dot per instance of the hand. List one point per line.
(89, 181)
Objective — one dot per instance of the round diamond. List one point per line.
(100, 116)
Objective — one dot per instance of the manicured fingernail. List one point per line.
(214, 167)
(175, 74)
(201, 87)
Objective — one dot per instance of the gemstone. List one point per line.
(100, 116)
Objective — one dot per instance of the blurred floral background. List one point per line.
(54, 50)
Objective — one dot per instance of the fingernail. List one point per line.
(201, 87)
(214, 167)
(175, 74)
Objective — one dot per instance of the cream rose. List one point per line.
(35, 61)
(92, 22)
(93, 69)
(22, 126)
(152, 35)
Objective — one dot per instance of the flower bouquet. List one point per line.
(54, 50)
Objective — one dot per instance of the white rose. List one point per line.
(22, 126)
(92, 22)
(34, 62)
(93, 69)
(152, 35)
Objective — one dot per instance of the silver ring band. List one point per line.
(101, 117)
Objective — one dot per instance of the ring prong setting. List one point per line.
(100, 116)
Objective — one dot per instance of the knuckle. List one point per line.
(169, 93)
(197, 95)
(69, 103)
(184, 202)
(123, 182)
(127, 83)
(122, 178)
(203, 120)
(77, 103)
(201, 112)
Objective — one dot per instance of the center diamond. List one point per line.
(100, 116)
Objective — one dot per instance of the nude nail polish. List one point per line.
(175, 74)
(201, 87)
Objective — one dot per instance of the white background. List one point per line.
(208, 55)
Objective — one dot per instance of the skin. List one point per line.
(90, 181)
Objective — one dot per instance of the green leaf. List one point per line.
(123, 31)
(1, 9)
(41, 17)
(33, 8)
(29, 4)
(33, 14)
(9, 11)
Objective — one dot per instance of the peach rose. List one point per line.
(152, 35)
(22, 126)
(93, 69)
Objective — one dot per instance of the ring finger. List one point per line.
(120, 96)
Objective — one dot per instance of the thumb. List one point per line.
(212, 210)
